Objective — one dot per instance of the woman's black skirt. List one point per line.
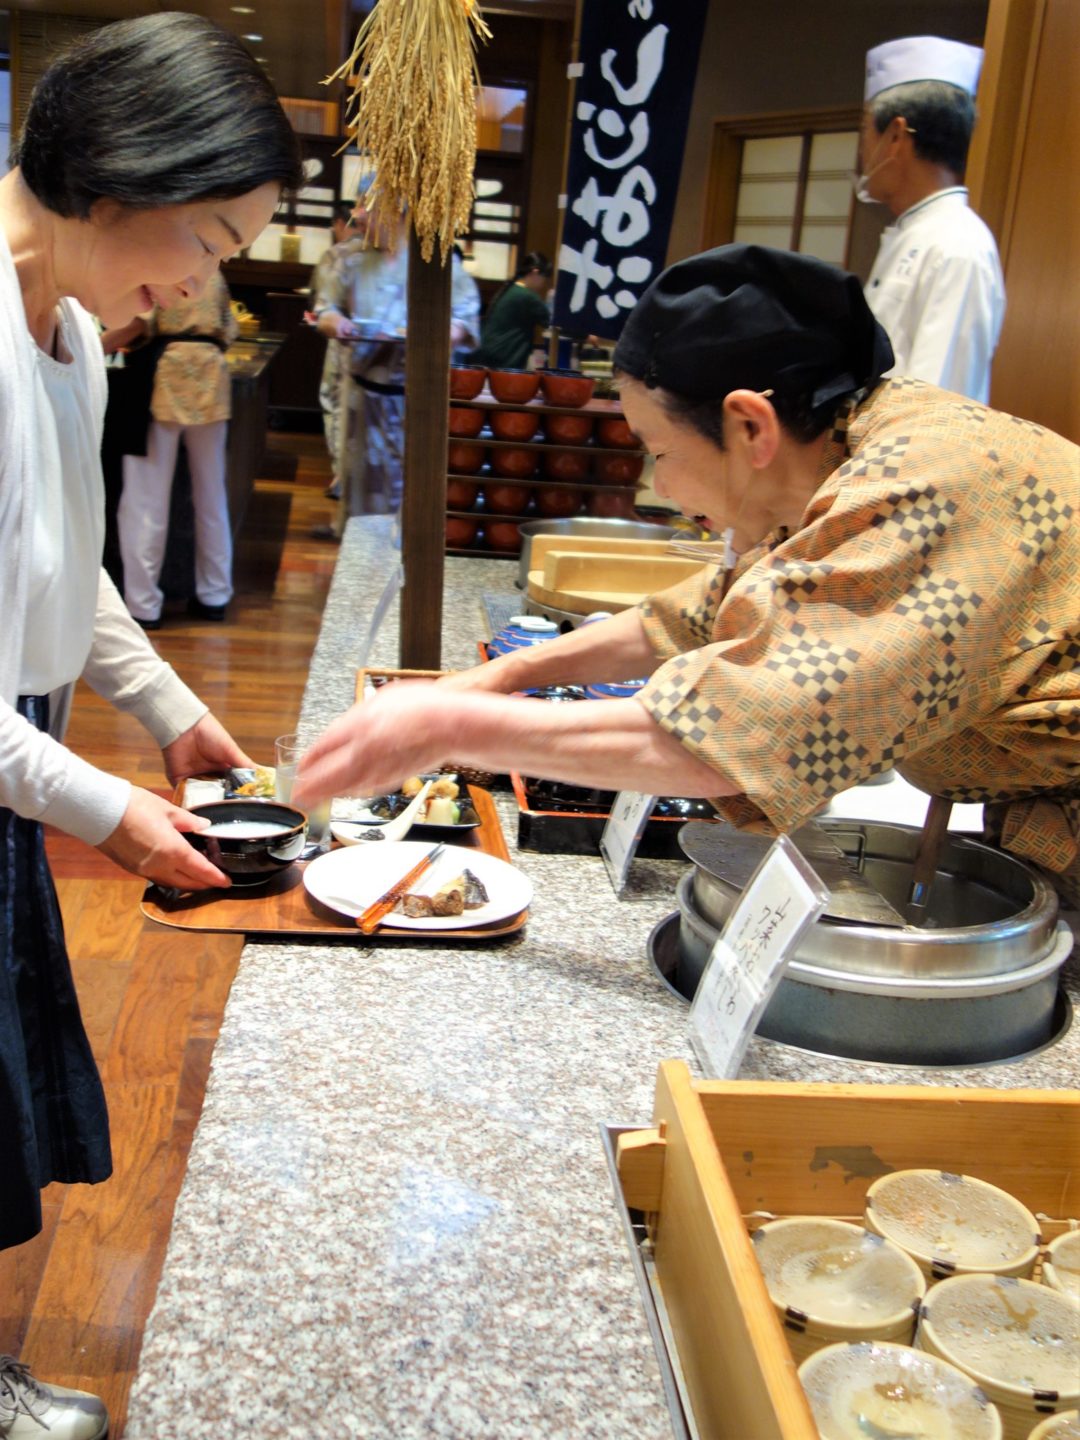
(53, 1120)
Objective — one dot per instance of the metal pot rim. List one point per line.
(956, 987)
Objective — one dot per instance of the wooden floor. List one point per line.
(74, 1301)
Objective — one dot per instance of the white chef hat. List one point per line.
(922, 57)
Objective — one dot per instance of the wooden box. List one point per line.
(722, 1152)
(581, 582)
(596, 546)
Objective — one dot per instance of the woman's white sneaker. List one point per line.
(31, 1410)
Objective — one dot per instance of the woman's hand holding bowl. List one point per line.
(150, 841)
(206, 749)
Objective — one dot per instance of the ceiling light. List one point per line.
(253, 37)
(242, 9)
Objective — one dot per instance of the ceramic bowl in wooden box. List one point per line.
(719, 1153)
(1061, 1265)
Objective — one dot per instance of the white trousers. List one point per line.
(143, 515)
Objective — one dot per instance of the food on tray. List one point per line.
(202, 792)
(1018, 1341)
(465, 892)
(445, 804)
(1061, 1264)
(255, 781)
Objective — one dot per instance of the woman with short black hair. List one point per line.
(152, 150)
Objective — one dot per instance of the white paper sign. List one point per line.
(783, 898)
(622, 834)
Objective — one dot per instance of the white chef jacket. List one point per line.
(937, 288)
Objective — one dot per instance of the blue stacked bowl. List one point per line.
(614, 690)
(522, 630)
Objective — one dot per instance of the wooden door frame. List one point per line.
(725, 157)
(1011, 51)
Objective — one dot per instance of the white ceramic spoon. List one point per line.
(359, 832)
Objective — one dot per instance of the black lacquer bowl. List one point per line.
(250, 858)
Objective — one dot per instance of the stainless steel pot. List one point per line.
(981, 987)
(989, 913)
(583, 526)
(903, 1021)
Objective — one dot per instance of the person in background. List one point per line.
(191, 401)
(152, 150)
(468, 297)
(341, 229)
(343, 234)
(369, 290)
(516, 312)
(904, 592)
(936, 285)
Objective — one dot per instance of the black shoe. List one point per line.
(147, 624)
(324, 532)
(198, 611)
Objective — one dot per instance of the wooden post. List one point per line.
(423, 511)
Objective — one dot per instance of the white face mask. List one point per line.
(861, 185)
(860, 181)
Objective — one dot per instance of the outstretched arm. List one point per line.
(410, 727)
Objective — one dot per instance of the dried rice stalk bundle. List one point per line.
(413, 111)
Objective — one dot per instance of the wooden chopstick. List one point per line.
(379, 909)
(924, 871)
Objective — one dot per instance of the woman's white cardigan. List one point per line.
(39, 777)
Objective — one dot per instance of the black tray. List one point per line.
(566, 820)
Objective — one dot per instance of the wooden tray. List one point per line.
(379, 677)
(284, 907)
(723, 1152)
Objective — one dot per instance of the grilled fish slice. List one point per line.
(465, 892)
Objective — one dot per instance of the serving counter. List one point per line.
(397, 1219)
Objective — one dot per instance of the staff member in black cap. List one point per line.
(905, 591)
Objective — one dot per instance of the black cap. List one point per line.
(749, 317)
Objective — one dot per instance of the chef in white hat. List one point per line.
(936, 285)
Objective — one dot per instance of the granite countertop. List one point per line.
(397, 1219)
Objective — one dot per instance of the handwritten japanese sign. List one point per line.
(784, 896)
(622, 834)
(637, 62)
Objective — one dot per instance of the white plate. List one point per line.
(349, 880)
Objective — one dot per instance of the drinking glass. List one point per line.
(287, 753)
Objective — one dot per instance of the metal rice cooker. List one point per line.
(977, 982)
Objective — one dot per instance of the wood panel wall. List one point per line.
(35, 39)
(1022, 175)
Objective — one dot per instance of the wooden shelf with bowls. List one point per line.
(590, 477)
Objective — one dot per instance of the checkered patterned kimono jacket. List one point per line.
(925, 615)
